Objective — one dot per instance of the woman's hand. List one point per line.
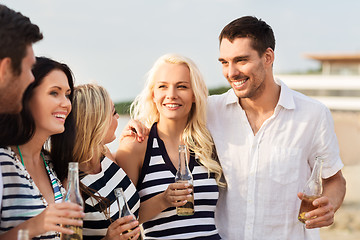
(65, 213)
(176, 194)
(135, 129)
(123, 229)
(52, 218)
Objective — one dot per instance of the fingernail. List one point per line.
(307, 215)
(307, 222)
(189, 190)
(187, 185)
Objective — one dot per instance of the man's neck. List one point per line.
(261, 107)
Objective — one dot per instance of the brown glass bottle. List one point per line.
(312, 190)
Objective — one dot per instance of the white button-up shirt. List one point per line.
(265, 172)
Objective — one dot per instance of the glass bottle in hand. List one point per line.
(124, 209)
(184, 175)
(312, 190)
(73, 195)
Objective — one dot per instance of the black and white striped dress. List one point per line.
(22, 199)
(156, 174)
(110, 177)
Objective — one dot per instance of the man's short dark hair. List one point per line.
(16, 33)
(259, 31)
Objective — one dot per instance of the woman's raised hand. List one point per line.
(135, 129)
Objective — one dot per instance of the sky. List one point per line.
(115, 42)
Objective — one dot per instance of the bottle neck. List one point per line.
(73, 179)
(124, 209)
(316, 172)
(73, 191)
(183, 160)
(183, 173)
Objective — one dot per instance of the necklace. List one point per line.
(54, 182)
(22, 160)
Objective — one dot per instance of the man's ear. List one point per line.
(269, 57)
(6, 70)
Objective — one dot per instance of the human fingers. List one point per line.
(52, 219)
(322, 205)
(55, 218)
(121, 226)
(138, 128)
(127, 133)
(131, 234)
(176, 190)
(300, 195)
(175, 197)
(68, 205)
(66, 210)
(121, 221)
(60, 225)
(323, 215)
(179, 185)
(321, 221)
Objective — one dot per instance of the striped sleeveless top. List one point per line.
(95, 222)
(21, 197)
(156, 174)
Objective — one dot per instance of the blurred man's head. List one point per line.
(17, 34)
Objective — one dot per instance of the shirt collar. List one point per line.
(231, 97)
(286, 99)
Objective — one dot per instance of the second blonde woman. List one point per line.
(173, 105)
(96, 122)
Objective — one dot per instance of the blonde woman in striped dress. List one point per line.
(173, 105)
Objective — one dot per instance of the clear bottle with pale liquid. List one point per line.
(184, 175)
(124, 209)
(73, 195)
(312, 190)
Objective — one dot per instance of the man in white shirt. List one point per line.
(267, 137)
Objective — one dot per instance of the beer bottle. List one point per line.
(312, 190)
(124, 209)
(73, 195)
(184, 175)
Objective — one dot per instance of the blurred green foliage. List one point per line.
(219, 90)
(123, 108)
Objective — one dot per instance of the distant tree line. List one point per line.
(123, 108)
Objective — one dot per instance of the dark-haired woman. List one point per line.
(32, 192)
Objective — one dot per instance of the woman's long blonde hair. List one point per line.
(196, 136)
(92, 110)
